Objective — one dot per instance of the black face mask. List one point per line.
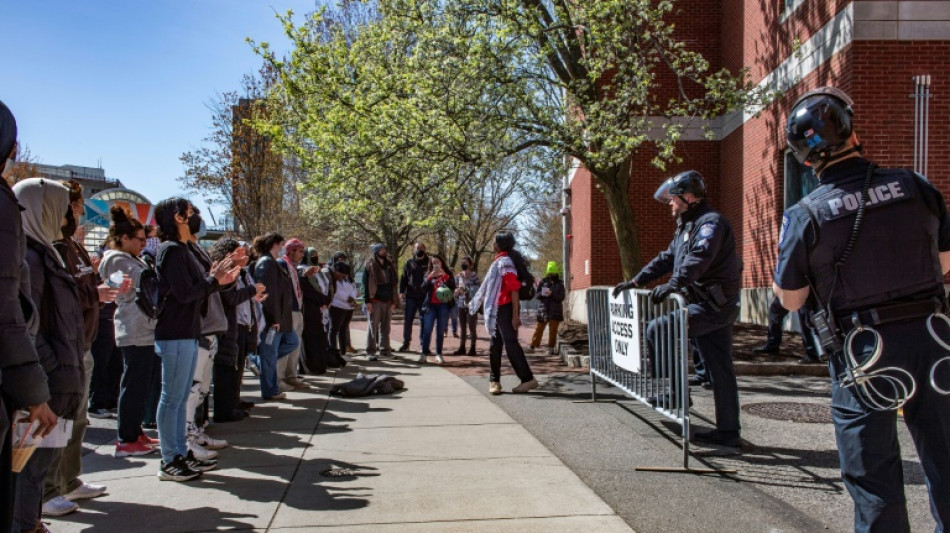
(420, 254)
(194, 223)
(464, 266)
(70, 228)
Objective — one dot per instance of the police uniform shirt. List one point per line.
(883, 242)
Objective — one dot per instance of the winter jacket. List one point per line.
(413, 276)
(183, 288)
(60, 340)
(379, 280)
(430, 286)
(79, 265)
(280, 293)
(470, 284)
(22, 379)
(551, 307)
(132, 326)
(227, 342)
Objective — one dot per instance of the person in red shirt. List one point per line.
(502, 307)
(435, 308)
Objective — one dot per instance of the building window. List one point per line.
(799, 180)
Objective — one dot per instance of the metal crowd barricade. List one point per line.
(666, 377)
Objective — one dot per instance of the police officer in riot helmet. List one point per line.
(866, 251)
(704, 267)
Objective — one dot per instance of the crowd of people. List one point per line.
(184, 322)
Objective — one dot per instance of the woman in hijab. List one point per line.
(316, 297)
(60, 339)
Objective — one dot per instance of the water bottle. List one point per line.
(270, 336)
(115, 279)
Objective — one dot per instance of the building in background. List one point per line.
(889, 56)
(93, 180)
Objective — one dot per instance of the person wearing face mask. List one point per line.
(60, 339)
(439, 288)
(152, 242)
(277, 339)
(467, 283)
(379, 293)
(411, 293)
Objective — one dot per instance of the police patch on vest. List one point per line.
(843, 203)
(707, 229)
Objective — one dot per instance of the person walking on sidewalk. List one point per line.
(705, 266)
(466, 285)
(551, 294)
(500, 300)
(868, 251)
(379, 293)
(411, 293)
(439, 289)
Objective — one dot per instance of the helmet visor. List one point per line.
(664, 193)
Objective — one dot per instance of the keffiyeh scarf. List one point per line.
(487, 295)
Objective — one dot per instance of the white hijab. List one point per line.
(45, 203)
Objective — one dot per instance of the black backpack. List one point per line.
(528, 289)
(146, 294)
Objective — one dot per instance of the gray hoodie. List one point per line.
(132, 326)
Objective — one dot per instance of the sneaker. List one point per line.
(808, 360)
(422, 358)
(348, 358)
(697, 380)
(278, 396)
(767, 348)
(177, 470)
(253, 368)
(720, 438)
(149, 441)
(439, 359)
(200, 465)
(85, 491)
(404, 347)
(350, 349)
(59, 506)
(525, 387)
(132, 449)
(494, 388)
(371, 357)
(101, 413)
(210, 443)
(200, 451)
(387, 355)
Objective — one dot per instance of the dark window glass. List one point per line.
(799, 180)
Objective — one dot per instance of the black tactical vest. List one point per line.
(895, 256)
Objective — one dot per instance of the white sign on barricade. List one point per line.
(624, 331)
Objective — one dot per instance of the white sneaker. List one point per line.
(210, 443)
(200, 451)
(371, 357)
(85, 492)
(59, 506)
(439, 359)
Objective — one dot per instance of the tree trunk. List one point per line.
(615, 183)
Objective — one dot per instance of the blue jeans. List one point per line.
(178, 371)
(284, 342)
(29, 489)
(436, 312)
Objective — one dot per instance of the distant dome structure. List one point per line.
(97, 218)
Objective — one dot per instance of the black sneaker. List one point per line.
(766, 348)
(404, 347)
(197, 464)
(177, 470)
(697, 380)
(101, 412)
(719, 438)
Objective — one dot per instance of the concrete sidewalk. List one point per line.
(439, 456)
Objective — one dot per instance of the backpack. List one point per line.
(146, 294)
(528, 289)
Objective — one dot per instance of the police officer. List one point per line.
(868, 248)
(704, 265)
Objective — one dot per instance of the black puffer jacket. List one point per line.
(60, 340)
(280, 292)
(551, 307)
(227, 343)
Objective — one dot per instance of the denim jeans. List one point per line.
(284, 342)
(29, 489)
(140, 363)
(178, 370)
(436, 317)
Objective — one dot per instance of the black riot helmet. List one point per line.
(819, 125)
(685, 182)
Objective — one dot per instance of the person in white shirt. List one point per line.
(344, 295)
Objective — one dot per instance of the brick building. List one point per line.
(876, 51)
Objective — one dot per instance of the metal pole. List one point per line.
(926, 128)
(916, 122)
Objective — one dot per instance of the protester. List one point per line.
(232, 345)
(467, 283)
(551, 296)
(316, 297)
(341, 308)
(379, 294)
(106, 374)
(500, 300)
(278, 338)
(288, 368)
(183, 288)
(134, 333)
(60, 339)
(410, 292)
(439, 290)
(22, 380)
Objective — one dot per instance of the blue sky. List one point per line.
(127, 82)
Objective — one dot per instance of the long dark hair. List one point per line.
(165, 213)
(123, 225)
(445, 266)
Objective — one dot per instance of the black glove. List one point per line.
(660, 292)
(623, 287)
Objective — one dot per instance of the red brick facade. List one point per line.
(745, 169)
